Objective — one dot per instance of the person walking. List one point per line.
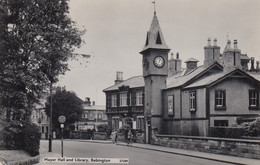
(112, 136)
(116, 135)
(129, 138)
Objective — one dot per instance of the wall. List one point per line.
(234, 147)
(237, 101)
(185, 122)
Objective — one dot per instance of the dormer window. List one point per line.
(158, 40)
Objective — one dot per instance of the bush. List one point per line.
(251, 128)
(13, 136)
(32, 138)
(104, 128)
(22, 135)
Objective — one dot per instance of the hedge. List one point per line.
(22, 135)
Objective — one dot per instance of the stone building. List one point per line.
(92, 116)
(222, 92)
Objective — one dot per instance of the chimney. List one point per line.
(87, 101)
(191, 64)
(252, 64)
(174, 65)
(231, 57)
(119, 77)
(257, 66)
(212, 53)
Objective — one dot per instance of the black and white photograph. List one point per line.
(137, 82)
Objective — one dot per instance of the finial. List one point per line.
(154, 7)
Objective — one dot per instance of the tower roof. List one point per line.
(154, 38)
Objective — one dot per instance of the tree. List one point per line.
(37, 39)
(65, 103)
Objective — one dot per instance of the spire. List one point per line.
(154, 38)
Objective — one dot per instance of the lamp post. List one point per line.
(51, 88)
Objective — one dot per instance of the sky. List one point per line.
(116, 33)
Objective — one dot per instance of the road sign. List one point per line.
(62, 119)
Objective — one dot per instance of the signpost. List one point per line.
(62, 120)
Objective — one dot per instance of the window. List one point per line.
(253, 99)
(114, 100)
(115, 123)
(139, 98)
(99, 116)
(220, 99)
(86, 116)
(220, 123)
(140, 123)
(171, 105)
(42, 129)
(123, 99)
(192, 101)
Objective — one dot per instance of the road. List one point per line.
(136, 156)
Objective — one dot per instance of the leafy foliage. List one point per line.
(22, 135)
(65, 103)
(251, 128)
(37, 39)
(32, 138)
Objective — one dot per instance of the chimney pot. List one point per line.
(177, 55)
(171, 55)
(235, 44)
(215, 42)
(209, 42)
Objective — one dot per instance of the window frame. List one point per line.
(123, 99)
(170, 98)
(256, 98)
(139, 98)
(223, 98)
(193, 101)
(140, 123)
(114, 100)
(226, 122)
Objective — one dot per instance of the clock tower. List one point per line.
(155, 70)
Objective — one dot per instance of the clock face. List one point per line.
(159, 61)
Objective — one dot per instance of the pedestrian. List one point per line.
(46, 135)
(130, 138)
(54, 135)
(116, 135)
(113, 137)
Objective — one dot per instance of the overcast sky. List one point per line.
(116, 33)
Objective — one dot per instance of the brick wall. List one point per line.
(234, 147)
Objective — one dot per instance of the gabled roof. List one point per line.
(218, 77)
(154, 38)
(133, 82)
(184, 79)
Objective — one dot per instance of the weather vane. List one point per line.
(154, 7)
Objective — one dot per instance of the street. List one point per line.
(136, 156)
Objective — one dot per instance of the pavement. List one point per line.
(202, 155)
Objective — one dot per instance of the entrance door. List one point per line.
(128, 121)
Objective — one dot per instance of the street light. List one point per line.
(51, 83)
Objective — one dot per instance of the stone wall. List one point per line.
(234, 147)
